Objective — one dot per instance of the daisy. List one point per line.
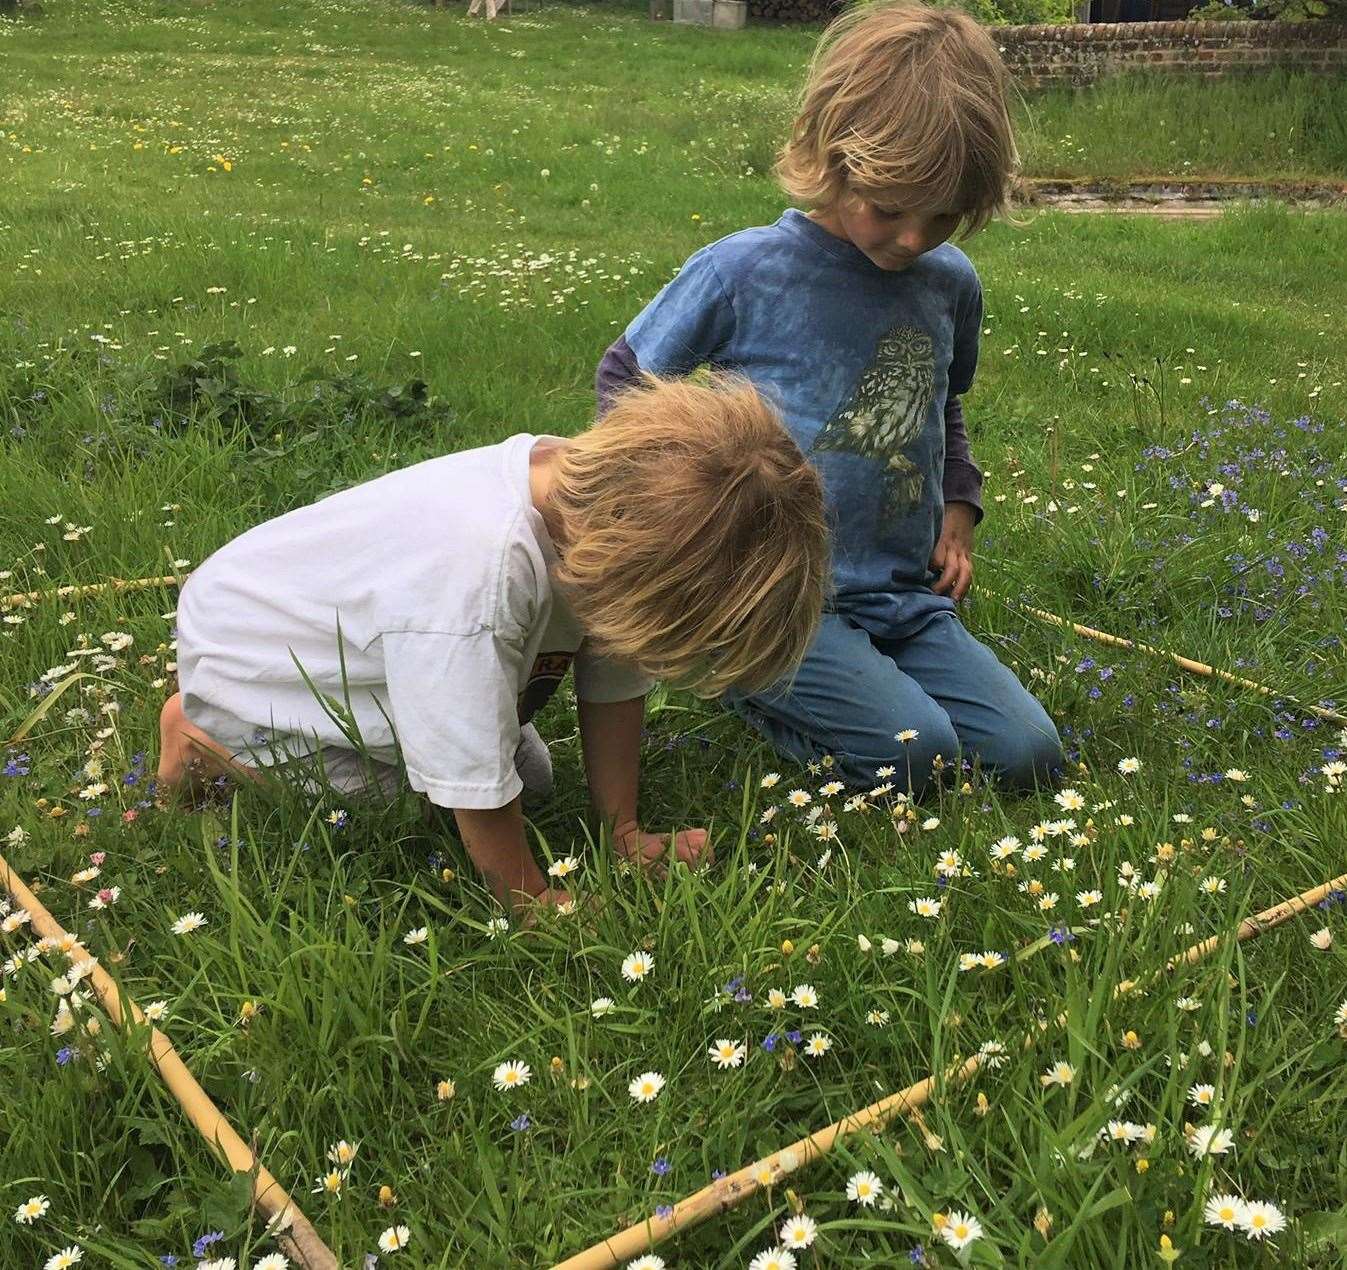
(771, 780)
(1088, 899)
(1202, 1095)
(990, 960)
(273, 1261)
(864, 1189)
(417, 936)
(925, 907)
(65, 1258)
(31, 1209)
(1058, 1074)
(1069, 800)
(1004, 848)
(1226, 1211)
(773, 1259)
(1236, 774)
(799, 1231)
(646, 1087)
(329, 1183)
(877, 1018)
(1340, 1018)
(156, 1011)
(931, 822)
(776, 999)
(188, 922)
(1129, 766)
(1322, 939)
(798, 798)
(1261, 1219)
(725, 1053)
(992, 1055)
(637, 966)
(1034, 853)
(394, 1239)
(1213, 885)
(960, 1229)
(563, 868)
(804, 996)
(818, 1045)
(1188, 1004)
(601, 1006)
(343, 1153)
(883, 773)
(648, 1262)
(511, 1075)
(948, 864)
(906, 736)
(1209, 1140)
(831, 788)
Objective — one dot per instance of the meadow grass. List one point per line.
(363, 196)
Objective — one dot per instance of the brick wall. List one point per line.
(1080, 54)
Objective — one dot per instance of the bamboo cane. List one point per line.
(292, 1228)
(729, 1192)
(91, 588)
(1187, 663)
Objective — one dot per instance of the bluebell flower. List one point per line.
(664, 1212)
(64, 1055)
(661, 1166)
(521, 1122)
(199, 1248)
(794, 1036)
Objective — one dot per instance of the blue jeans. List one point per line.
(854, 693)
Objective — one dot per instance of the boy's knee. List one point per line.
(1026, 759)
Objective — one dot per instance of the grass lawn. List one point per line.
(362, 197)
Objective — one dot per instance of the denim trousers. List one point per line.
(855, 693)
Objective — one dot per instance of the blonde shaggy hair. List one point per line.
(900, 97)
(691, 535)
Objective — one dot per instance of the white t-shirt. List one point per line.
(450, 628)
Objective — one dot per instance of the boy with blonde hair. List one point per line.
(431, 612)
(862, 322)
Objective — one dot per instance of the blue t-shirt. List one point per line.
(859, 361)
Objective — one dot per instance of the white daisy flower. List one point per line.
(1209, 1140)
(646, 1086)
(637, 966)
(727, 1053)
(1226, 1211)
(799, 1231)
(864, 1188)
(417, 936)
(804, 996)
(1261, 1219)
(960, 1229)
(188, 923)
(601, 1006)
(511, 1075)
(394, 1239)
(773, 1259)
(31, 1209)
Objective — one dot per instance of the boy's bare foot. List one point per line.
(187, 756)
(652, 850)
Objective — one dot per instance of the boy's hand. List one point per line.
(651, 850)
(953, 554)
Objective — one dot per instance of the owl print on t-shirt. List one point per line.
(885, 414)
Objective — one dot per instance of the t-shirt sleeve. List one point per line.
(967, 333)
(689, 322)
(600, 678)
(453, 701)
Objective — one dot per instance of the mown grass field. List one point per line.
(360, 197)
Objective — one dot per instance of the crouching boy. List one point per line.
(437, 608)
